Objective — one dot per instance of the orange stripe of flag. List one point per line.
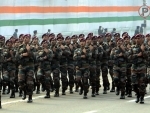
(69, 9)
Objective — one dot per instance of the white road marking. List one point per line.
(94, 111)
(34, 98)
(135, 99)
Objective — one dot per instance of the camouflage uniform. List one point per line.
(44, 59)
(56, 68)
(26, 71)
(71, 67)
(119, 69)
(82, 68)
(63, 67)
(9, 69)
(104, 67)
(93, 78)
(138, 70)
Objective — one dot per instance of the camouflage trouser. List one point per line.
(9, 78)
(82, 76)
(71, 72)
(98, 78)
(119, 75)
(56, 78)
(93, 78)
(128, 81)
(44, 77)
(64, 79)
(104, 68)
(139, 82)
(26, 79)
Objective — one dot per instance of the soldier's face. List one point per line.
(148, 38)
(138, 40)
(100, 40)
(53, 42)
(88, 41)
(9, 44)
(59, 41)
(45, 44)
(46, 38)
(68, 41)
(35, 41)
(17, 43)
(120, 42)
(74, 40)
(82, 43)
(108, 38)
(27, 39)
(127, 40)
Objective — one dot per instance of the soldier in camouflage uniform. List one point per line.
(26, 68)
(63, 63)
(111, 45)
(138, 69)
(75, 45)
(9, 67)
(98, 62)
(44, 59)
(94, 50)
(71, 66)
(104, 65)
(56, 65)
(118, 54)
(16, 46)
(127, 45)
(82, 56)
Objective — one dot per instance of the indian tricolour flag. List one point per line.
(68, 15)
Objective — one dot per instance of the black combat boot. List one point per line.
(30, 99)
(63, 91)
(137, 99)
(85, 95)
(130, 93)
(93, 92)
(24, 95)
(38, 89)
(47, 94)
(20, 93)
(56, 93)
(43, 88)
(105, 90)
(81, 91)
(122, 94)
(97, 90)
(142, 100)
(117, 91)
(12, 95)
(71, 91)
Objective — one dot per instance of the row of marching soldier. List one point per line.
(76, 61)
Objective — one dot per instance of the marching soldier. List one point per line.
(44, 58)
(118, 54)
(26, 68)
(128, 45)
(71, 65)
(57, 53)
(82, 56)
(138, 69)
(63, 63)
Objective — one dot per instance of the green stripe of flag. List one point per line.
(21, 22)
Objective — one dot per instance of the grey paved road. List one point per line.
(73, 103)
